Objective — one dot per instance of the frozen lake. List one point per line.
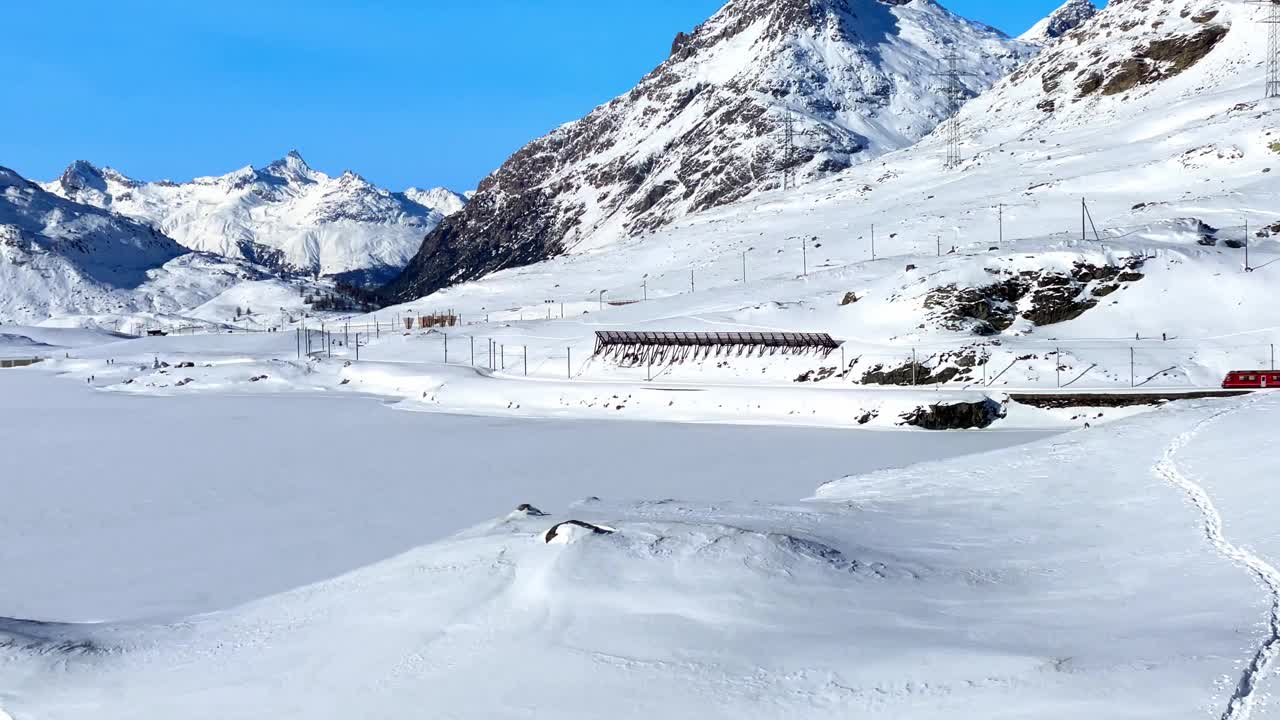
(122, 507)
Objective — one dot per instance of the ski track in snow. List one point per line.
(1240, 707)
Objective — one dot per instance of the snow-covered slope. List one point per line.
(1070, 16)
(286, 215)
(1172, 169)
(861, 78)
(68, 264)
(58, 256)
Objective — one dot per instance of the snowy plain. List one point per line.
(121, 507)
(1087, 574)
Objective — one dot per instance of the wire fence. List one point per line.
(1082, 365)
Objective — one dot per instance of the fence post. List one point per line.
(503, 357)
(1057, 358)
(914, 364)
(568, 362)
(473, 351)
(526, 360)
(1133, 378)
(446, 348)
(357, 347)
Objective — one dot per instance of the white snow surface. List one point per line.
(1097, 574)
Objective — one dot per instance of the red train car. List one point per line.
(1251, 380)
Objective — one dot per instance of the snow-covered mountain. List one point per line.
(860, 78)
(286, 215)
(1070, 16)
(442, 200)
(57, 255)
(71, 264)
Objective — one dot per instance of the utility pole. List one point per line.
(804, 255)
(691, 285)
(788, 150)
(644, 287)
(938, 239)
(1246, 245)
(873, 241)
(744, 267)
(1086, 221)
(1001, 240)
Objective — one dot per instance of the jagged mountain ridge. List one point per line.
(286, 215)
(704, 128)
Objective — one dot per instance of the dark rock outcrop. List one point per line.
(956, 416)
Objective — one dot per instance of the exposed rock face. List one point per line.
(956, 416)
(1060, 22)
(1039, 297)
(704, 128)
(1129, 45)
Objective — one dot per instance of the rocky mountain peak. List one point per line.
(1066, 18)
(82, 175)
(704, 128)
(291, 167)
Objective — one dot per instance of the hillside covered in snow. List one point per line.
(286, 216)
(64, 263)
(858, 77)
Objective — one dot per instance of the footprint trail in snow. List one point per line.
(1241, 705)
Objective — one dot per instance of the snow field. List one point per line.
(1062, 579)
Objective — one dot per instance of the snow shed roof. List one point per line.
(608, 339)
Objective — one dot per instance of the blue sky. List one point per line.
(405, 92)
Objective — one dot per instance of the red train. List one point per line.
(1251, 379)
